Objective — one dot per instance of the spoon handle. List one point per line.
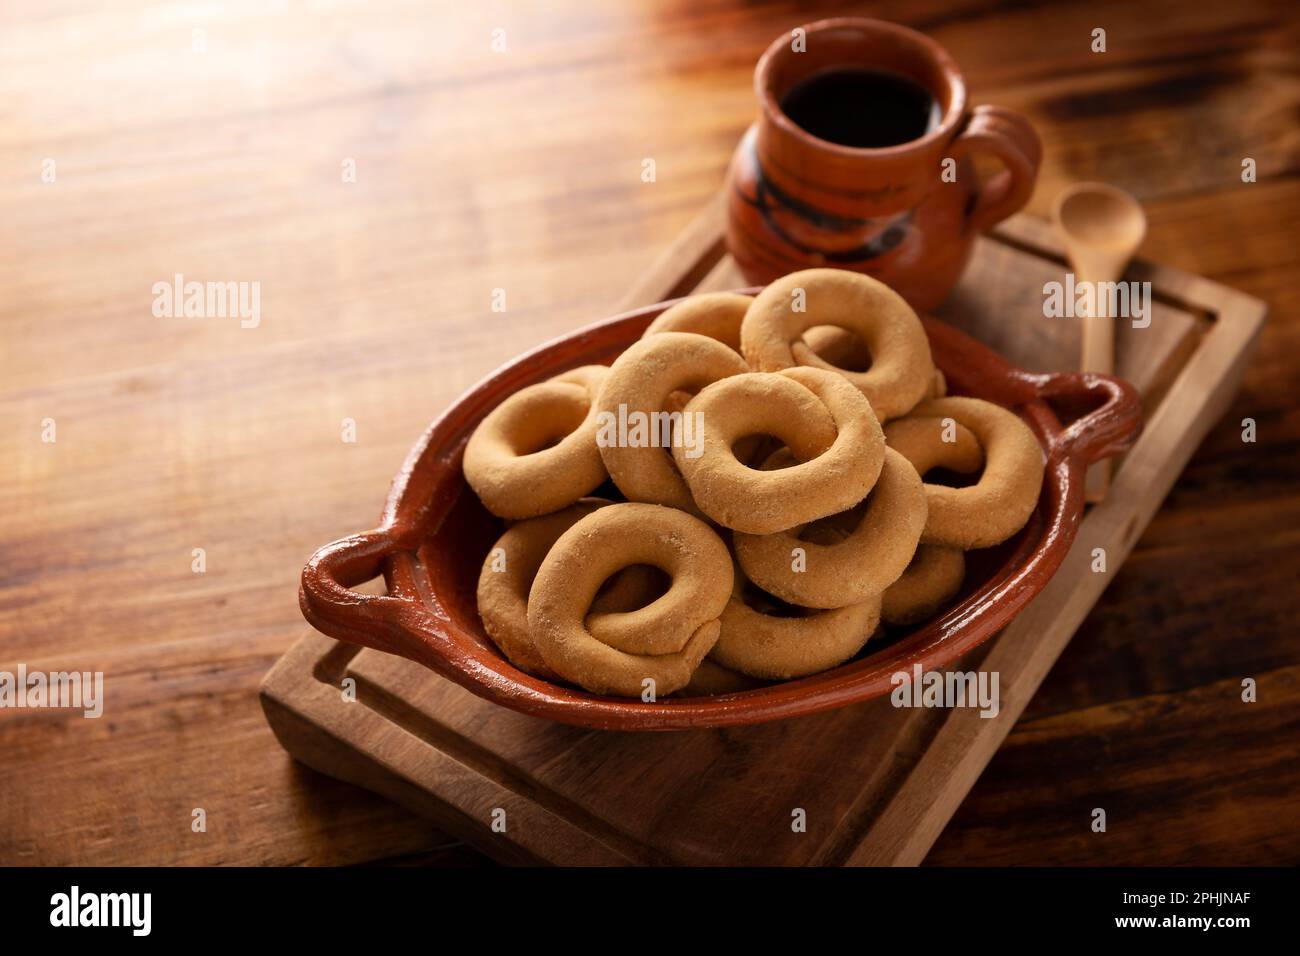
(1098, 356)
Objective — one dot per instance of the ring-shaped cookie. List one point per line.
(536, 452)
(902, 369)
(837, 467)
(635, 405)
(715, 314)
(507, 577)
(922, 441)
(998, 505)
(930, 582)
(664, 641)
(853, 567)
(780, 647)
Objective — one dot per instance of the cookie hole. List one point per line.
(772, 606)
(547, 443)
(951, 479)
(835, 528)
(542, 436)
(753, 450)
(839, 347)
(630, 589)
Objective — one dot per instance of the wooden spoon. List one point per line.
(1101, 227)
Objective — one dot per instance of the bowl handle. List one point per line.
(1108, 429)
(332, 607)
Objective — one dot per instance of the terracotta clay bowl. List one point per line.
(434, 535)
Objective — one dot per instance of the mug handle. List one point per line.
(1008, 136)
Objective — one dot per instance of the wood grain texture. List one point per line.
(872, 784)
(521, 171)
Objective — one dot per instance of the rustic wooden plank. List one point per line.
(311, 719)
(676, 797)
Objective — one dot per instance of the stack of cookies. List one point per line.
(763, 509)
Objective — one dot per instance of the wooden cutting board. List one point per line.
(867, 784)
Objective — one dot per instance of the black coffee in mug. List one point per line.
(862, 108)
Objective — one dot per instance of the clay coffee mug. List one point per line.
(898, 212)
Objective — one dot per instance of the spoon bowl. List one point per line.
(1102, 226)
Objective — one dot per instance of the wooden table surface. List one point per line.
(214, 141)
